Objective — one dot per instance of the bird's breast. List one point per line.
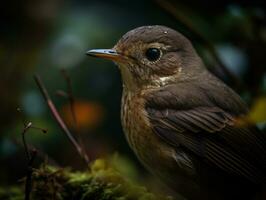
(148, 147)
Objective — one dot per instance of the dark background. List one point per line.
(46, 36)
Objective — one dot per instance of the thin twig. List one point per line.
(22, 117)
(25, 129)
(59, 120)
(71, 99)
(61, 93)
(170, 9)
(70, 95)
(30, 158)
(28, 184)
(30, 153)
(29, 124)
(43, 130)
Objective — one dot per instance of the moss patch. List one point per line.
(102, 182)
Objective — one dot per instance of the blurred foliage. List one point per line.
(102, 182)
(257, 112)
(88, 114)
(11, 193)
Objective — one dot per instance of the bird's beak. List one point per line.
(109, 54)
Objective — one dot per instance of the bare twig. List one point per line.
(30, 153)
(30, 157)
(25, 129)
(22, 117)
(62, 93)
(59, 120)
(29, 124)
(28, 185)
(170, 9)
(43, 155)
(43, 130)
(70, 95)
(71, 99)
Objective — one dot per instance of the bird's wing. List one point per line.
(209, 132)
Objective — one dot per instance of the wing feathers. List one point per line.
(209, 132)
(201, 119)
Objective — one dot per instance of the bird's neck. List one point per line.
(129, 82)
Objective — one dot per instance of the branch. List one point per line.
(25, 129)
(30, 154)
(71, 99)
(59, 120)
(70, 95)
(30, 157)
(28, 185)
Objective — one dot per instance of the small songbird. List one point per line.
(182, 122)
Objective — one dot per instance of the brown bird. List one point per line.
(182, 122)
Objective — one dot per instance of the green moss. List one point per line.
(11, 193)
(101, 182)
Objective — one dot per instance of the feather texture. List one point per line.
(208, 131)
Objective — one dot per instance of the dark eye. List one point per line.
(153, 54)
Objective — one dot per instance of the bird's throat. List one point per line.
(129, 82)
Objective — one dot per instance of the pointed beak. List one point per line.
(109, 54)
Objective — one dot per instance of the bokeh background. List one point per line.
(46, 36)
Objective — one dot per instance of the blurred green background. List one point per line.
(46, 36)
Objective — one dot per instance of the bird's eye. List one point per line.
(153, 54)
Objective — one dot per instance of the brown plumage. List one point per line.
(182, 122)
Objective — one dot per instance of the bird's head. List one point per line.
(153, 56)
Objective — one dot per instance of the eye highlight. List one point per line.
(153, 54)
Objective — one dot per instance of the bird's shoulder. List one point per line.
(203, 91)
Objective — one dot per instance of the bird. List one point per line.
(182, 122)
